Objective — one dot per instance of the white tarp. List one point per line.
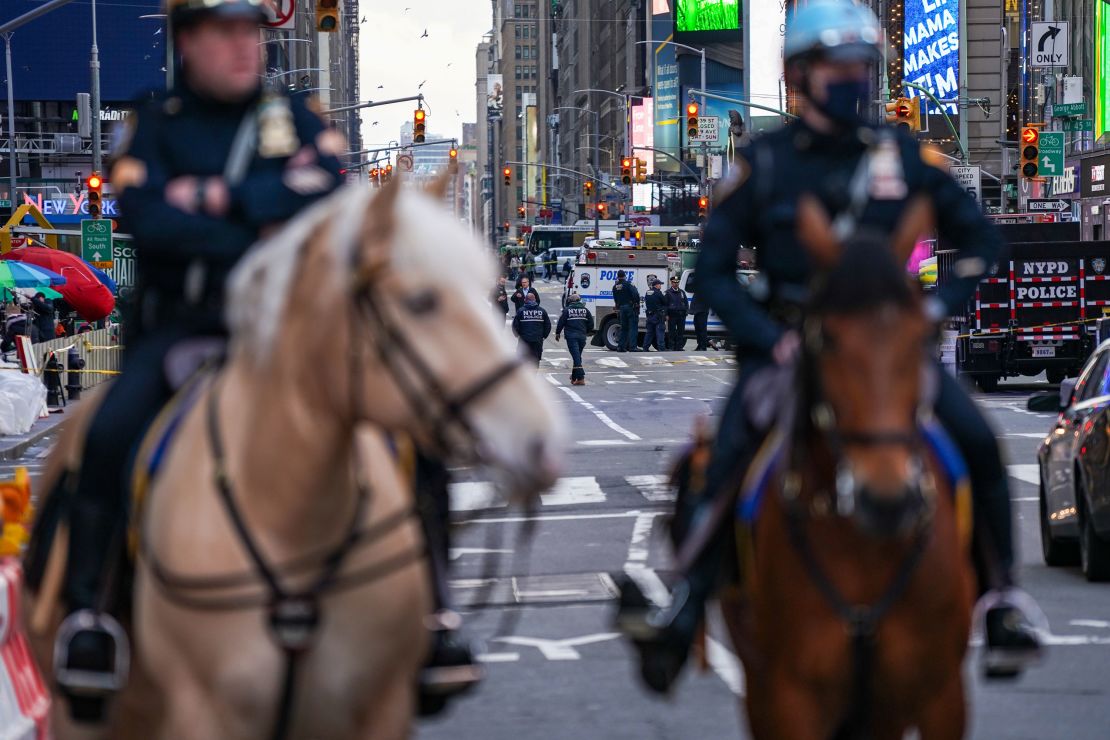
(22, 401)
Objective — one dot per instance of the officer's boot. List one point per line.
(1011, 640)
(91, 649)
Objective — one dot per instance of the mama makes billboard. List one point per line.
(706, 21)
(931, 50)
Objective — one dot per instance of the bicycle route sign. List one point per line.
(96, 242)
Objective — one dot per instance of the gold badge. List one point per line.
(277, 136)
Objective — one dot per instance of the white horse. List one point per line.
(364, 316)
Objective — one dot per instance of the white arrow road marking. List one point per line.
(472, 496)
(1026, 473)
(601, 416)
(558, 649)
(612, 362)
(652, 487)
(497, 657)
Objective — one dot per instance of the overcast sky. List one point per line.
(393, 54)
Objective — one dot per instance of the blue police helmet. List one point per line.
(833, 29)
(184, 13)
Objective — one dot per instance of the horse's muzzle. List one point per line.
(892, 513)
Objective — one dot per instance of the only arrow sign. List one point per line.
(1051, 33)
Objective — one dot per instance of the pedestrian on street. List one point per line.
(656, 312)
(524, 290)
(514, 267)
(568, 268)
(532, 325)
(499, 297)
(627, 300)
(530, 267)
(700, 308)
(576, 322)
(677, 306)
(43, 309)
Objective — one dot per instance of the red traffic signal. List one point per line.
(626, 171)
(419, 125)
(508, 175)
(692, 120)
(1030, 135)
(703, 206)
(94, 183)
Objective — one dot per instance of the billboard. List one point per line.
(495, 98)
(1102, 69)
(50, 55)
(764, 29)
(931, 50)
(643, 132)
(693, 16)
(665, 85)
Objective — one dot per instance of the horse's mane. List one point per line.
(866, 276)
(259, 286)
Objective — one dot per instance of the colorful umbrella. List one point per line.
(20, 275)
(83, 290)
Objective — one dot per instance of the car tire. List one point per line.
(1094, 551)
(611, 334)
(1056, 552)
(1056, 375)
(987, 383)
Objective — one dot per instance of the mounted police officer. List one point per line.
(576, 322)
(656, 313)
(202, 171)
(864, 175)
(627, 300)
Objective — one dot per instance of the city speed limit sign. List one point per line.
(970, 179)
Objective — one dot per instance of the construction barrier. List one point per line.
(100, 350)
(24, 700)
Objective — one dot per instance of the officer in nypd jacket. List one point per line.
(532, 325)
(193, 215)
(757, 207)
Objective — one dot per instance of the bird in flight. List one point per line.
(449, 63)
(406, 10)
(420, 85)
(375, 123)
(425, 34)
(381, 87)
(363, 19)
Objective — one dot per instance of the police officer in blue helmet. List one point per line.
(831, 53)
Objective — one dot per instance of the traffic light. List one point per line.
(94, 184)
(507, 173)
(388, 173)
(588, 189)
(419, 121)
(601, 207)
(327, 16)
(626, 171)
(520, 211)
(703, 206)
(1030, 151)
(692, 120)
(641, 170)
(453, 160)
(905, 112)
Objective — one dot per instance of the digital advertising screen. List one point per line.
(1102, 68)
(931, 56)
(707, 20)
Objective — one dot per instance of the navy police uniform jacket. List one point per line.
(757, 208)
(625, 294)
(576, 321)
(654, 303)
(532, 324)
(183, 258)
(676, 301)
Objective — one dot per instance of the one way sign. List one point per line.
(1050, 44)
(1048, 206)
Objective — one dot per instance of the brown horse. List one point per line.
(281, 586)
(859, 580)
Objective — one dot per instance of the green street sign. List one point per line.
(1079, 124)
(1060, 110)
(96, 242)
(1052, 154)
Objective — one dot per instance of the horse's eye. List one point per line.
(422, 303)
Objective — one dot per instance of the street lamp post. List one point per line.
(597, 157)
(705, 152)
(94, 68)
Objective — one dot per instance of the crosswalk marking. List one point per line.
(554, 358)
(1025, 473)
(576, 490)
(652, 487)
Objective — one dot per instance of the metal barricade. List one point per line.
(100, 349)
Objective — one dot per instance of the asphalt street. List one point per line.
(538, 589)
(544, 606)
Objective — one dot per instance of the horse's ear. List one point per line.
(917, 221)
(437, 188)
(816, 233)
(379, 225)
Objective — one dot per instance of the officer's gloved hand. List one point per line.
(556, 337)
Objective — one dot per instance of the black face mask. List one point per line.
(846, 102)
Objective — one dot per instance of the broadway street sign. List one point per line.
(1052, 153)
